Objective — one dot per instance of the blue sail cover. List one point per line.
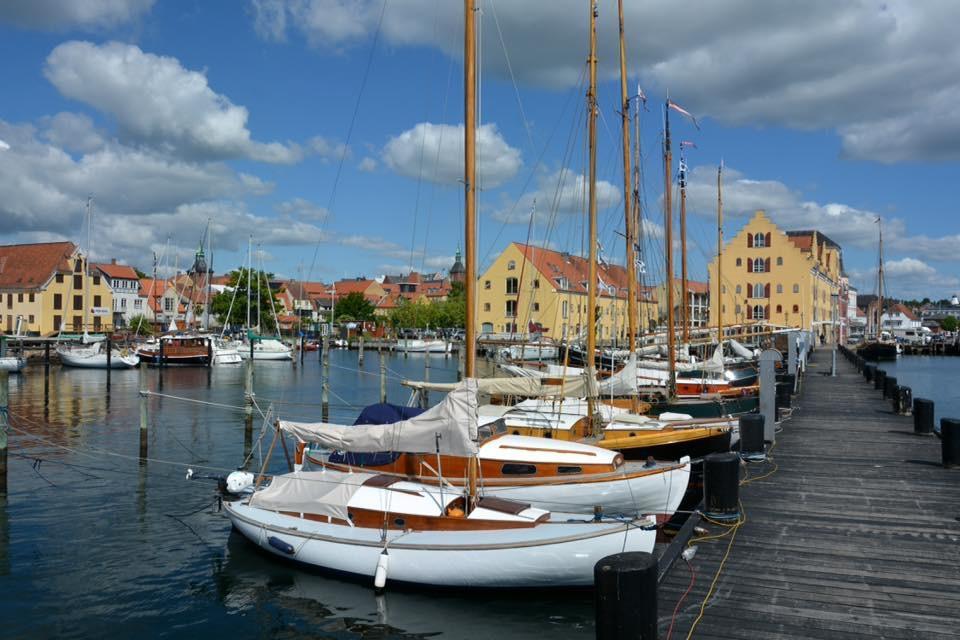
(380, 413)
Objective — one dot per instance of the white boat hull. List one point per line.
(555, 554)
(533, 352)
(424, 346)
(94, 358)
(12, 363)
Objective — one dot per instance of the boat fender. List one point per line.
(281, 545)
(597, 513)
(380, 578)
(239, 481)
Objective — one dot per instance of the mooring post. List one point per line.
(303, 344)
(625, 595)
(109, 360)
(721, 486)
(143, 410)
(923, 416)
(4, 427)
(879, 377)
(461, 354)
(360, 352)
(383, 378)
(751, 437)
(325, 391)
(768, 389)
(46, 353)
(904, 400)
(889, 386)
(949, 442)
(425, 395)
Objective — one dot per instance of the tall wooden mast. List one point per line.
(879, 327)
(668, 250)
(470, 184)
(592, 275)
(720, 255)
(628, 212)
(685, 296)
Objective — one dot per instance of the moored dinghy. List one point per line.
(384, 527)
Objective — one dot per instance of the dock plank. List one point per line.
(856, 534)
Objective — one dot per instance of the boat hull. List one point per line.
(696, 443)
(708, 408)
(91, 360)
(12, 364)
(554, 554)
(878, 351)
(424, 346)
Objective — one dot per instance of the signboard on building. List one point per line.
(100, 312)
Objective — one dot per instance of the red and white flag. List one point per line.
(673, 105)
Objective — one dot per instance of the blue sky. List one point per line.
(171, 113)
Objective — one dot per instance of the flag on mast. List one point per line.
(673, 105)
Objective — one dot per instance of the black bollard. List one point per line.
(721, 486)
(783, 396)
(868, 370)
(889, 385)
(950, 442)
(751, 437)
(922, 416)
(904, 400)
(878, 377)
(625, 593)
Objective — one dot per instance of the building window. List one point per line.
(739, 290)
(78, 323)
(77, 303)
(96, 301)
(123, 303)
(512, 286)
(536, 306)
(759, 240)
(78, 266)
(486, 284)
(758, 265)
(57, 321)
(758, 290)
(59, 278)
(796, 288)
(138, 304)
(19, 297)
(31, 297)
(96, 281)
(511, 309)
(779, 288)
(739, 262)
(758, 312)
(486, 306)
(779, 308)
(536, 283)
(779, 261)
(511, 265)
(563, 310)
(563, 283)
(796, 308)
(78, 282)
(57, 301)
(168, 304)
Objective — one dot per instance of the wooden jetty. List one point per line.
(855, 535)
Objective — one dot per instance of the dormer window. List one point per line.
(511, 265)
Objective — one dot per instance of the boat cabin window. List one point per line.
(492, 429)
(517, 469)
(569, 469)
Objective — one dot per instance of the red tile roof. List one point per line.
(899, 308)
(698, 287)
(556, 266)
(30, 266)
(118, 271)
(803, 242)
(345, 287)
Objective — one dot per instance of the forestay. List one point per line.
(454, 420)
(325, 493)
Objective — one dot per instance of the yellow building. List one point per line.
(42, 289)
(528, 289)
(774, 277)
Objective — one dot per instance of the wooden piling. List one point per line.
(383, 378)
(143, 410)
(4, 426)
(46, 353)
(360, 353)
(424, 394)
(325, 392)
(625, 593)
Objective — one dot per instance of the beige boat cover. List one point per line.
(527, 386)
(454, 420)
(325, 493)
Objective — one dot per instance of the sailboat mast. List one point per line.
(668, 249)
(470, 183)
(720, 255)
(685, 296)
(880, 280)
(86, 266)
(592, 267)
(631, 232)
(637, 213)
(249, 275)
(470, 208)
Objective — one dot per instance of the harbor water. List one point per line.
(931, 377)
(96, 543)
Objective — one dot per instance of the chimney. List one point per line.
(113, 261)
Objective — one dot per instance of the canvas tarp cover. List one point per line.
(454, 420)
(526, 385)
(325, 493)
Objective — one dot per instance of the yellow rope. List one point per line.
(734, 528)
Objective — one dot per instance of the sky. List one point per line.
(328, 134)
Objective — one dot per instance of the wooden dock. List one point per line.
(856, 534)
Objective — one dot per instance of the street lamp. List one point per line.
(834, 299)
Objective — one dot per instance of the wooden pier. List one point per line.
(855, 534)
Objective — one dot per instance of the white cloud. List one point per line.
(562, 192)
(908, 278)
(256, 185)
(158, 102)
(368, 165)
(303, 209)
(434, 152)
(881, 73)
(73, 132)
(327, 148)
(64, 14)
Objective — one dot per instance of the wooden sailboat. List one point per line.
(380, 525)
(879, 346)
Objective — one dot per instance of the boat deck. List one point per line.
(855, 535)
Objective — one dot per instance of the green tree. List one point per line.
(950, 323)
(259, 288)
(140, 325)
(353, 305)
